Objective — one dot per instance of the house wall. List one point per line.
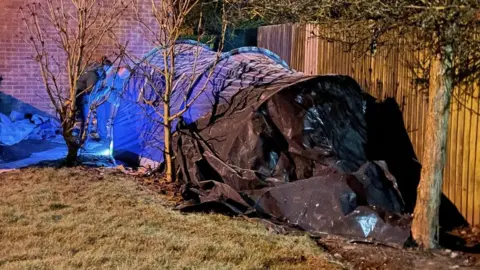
(22, 88)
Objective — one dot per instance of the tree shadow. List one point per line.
(9, 103)
(388, 140)
(25, 149)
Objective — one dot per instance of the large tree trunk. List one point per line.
(73, 143)
(72, 155)
(425, 225)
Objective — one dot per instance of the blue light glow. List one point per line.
(105, 152)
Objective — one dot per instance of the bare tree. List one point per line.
(161, 76)
(75, 29)
(447, 30)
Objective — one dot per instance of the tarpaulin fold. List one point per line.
(294, 151)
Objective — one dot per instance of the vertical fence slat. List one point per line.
(471, 160)
(455, 113)
(460, 150)
(476, 196)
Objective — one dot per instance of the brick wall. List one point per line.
(21, 85)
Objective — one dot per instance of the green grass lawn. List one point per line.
(73, 218)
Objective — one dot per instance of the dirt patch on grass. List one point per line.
(91, 218)
(369, 256)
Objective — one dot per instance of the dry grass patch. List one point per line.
(70, 218)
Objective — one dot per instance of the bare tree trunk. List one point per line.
(167, 128)
(72, 154)
(169, 60)
(425, 225)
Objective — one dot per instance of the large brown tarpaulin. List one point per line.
(294, 151)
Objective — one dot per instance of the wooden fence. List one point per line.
(388, 74)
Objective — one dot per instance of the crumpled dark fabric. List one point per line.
(294, 153)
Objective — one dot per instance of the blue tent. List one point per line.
(203, 77)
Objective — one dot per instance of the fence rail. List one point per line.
(389, 74)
